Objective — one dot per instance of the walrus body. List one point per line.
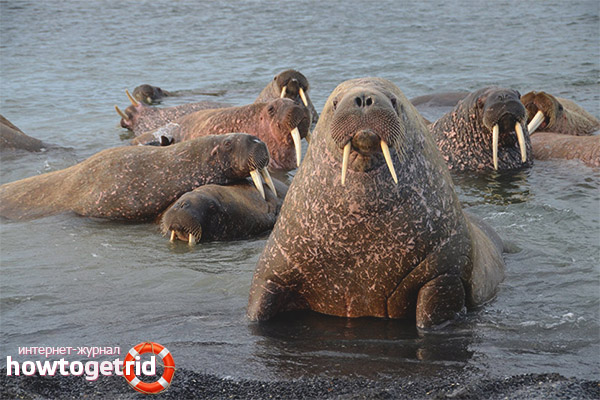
(12, 138)
(271, 122)
(558, 115)
(549, 145)
(351, 242)
(216, 212)
(442, 99)
(134, 183)
(486, 130)
(139, 118)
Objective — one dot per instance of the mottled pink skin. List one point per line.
(549, 145)
(143, 118)
(464, 137)
(561, 115)
(271, 122)
(371, 247)
(217, 212)
(133, 183)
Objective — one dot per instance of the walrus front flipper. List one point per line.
(440, 300)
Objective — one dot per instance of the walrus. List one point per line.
(290, 84)
(134, 183)
(486, 130)
(371, 225)
(139, 118)
(223, 212)
(280, 123)
(550, 145)
(442, 99)
(546, 113)
(12, 138)
(149, 94)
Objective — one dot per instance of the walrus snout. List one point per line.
(366, 142)
(542, 109)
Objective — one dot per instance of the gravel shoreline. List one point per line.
(189, 384)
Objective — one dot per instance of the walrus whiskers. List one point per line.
(521, 139)
(131, 99)
(535, 122)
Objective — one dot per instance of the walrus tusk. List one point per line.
(388, 159)
(149, 100)
(122, 114)
(296, 136)
(535, 122)
(303, 97)
(191, 240)
(257, 182)
(267, 178)
(283, 92)
(345, 161)
(521, 139)
(172, 239)
(495, 133)
(131, 99)
(308, 137)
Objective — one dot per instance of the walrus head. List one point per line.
(129, 117)
(288, 123)
(242, 155)
(149, 94)
(364, 125)
(543, 110)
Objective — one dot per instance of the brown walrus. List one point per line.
(134, 183)
(352, 242)
(217, 212)
(547, 113)
(486, 130)
(549, 145)
(290, 84)
(280, 123)
(139, 118)
(149, 94)
(12, 138)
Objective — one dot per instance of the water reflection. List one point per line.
(307, 343)
(499, 188)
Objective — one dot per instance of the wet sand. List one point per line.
(188, 384)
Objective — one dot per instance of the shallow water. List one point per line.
(70, 281)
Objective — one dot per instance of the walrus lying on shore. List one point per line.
(140, 118)
(371, 225)
(134, 183)
(12, 138)
(280, 123)
(546, 113)
(486, 130)
(216, 212)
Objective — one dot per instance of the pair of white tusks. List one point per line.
(256, 178)
(133, 101)
(520, 138)
(535, 122)
(302, 95)
(386, 154)
(191, 238)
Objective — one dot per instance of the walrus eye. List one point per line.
(271, 110)
(560, 107)
(227, 144)
(335, 103)
(395, 105)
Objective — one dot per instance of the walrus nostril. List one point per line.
(358, 101)
(369, 101)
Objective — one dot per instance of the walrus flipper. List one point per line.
(487, 269)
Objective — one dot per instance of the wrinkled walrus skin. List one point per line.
(372, 247)
(134, 183)
(550, 145)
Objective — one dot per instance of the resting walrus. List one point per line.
(486, 130)
(140, 118)
(352, 242)
(134, 183)
(280, 123)
(217, 212)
